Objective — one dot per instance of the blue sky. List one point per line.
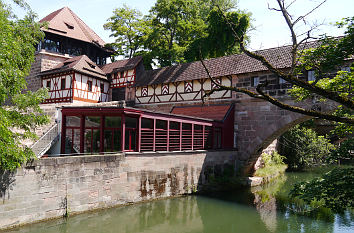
(270, 29)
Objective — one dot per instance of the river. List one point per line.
(249, 210)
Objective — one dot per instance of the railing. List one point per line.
(46, 141)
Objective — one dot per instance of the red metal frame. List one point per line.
(191, 133)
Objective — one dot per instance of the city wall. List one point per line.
(58, 186)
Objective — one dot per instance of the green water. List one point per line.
(239, 211)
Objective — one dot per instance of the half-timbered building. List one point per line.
(164, 110)
(76, 79)
(185, 82)
(123, 75)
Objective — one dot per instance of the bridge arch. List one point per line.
(258, 124)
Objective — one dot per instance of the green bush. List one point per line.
(343, 151)
(335, 190)
(273, 164)
(303, 148)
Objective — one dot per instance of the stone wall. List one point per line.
(43, 61)
(51, 187)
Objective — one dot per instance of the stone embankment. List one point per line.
(53, 187)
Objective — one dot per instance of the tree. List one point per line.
(328, 89)
(173, 31)
(127, 26)
(219, 40)
(19, 113)
(174, 24)
(304, 148)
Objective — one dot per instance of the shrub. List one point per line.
(303, 148)
(335, 189)
(273, 164)
(343, 151)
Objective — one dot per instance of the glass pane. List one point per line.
(72, 121)
(146, 123)
(113, 122)
(92, 141)
(112, 141)
(72, 141)
(130, 122)
(108, 141)
(117, 140)
(92, 121)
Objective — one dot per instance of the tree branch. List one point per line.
(290, 77)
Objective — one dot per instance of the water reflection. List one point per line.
(255, 210)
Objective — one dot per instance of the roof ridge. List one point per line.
(51, 15)
(81, 23)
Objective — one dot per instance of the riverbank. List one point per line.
(54, 187)
(244, 210)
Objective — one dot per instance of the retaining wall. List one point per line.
(49, 188)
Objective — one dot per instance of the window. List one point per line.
(62, 83)
(121, 74)
(255, 81)
(89, 85)
(311, 75)
(48, 85)
(102, 87)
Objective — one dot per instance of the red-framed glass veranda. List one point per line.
(113, 129)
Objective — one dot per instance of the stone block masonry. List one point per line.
(51, 187)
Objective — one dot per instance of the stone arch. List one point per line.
(255, 148)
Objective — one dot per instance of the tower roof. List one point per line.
(66, 23)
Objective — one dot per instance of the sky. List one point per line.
(269, 27)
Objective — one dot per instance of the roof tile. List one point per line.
(80, 64)
(66, 23)
(280, 57)
(121, 65)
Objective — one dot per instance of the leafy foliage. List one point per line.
(175, 30)
(273, 164)
(219, 40)
(304, 148)
(19, 113)
(344, 151)
(331, 54)
(334, 189)
(127, 26)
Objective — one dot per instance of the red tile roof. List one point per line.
(81, 64)
(65, 22)
(122, 65)
(214, 112)
(280, 57)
